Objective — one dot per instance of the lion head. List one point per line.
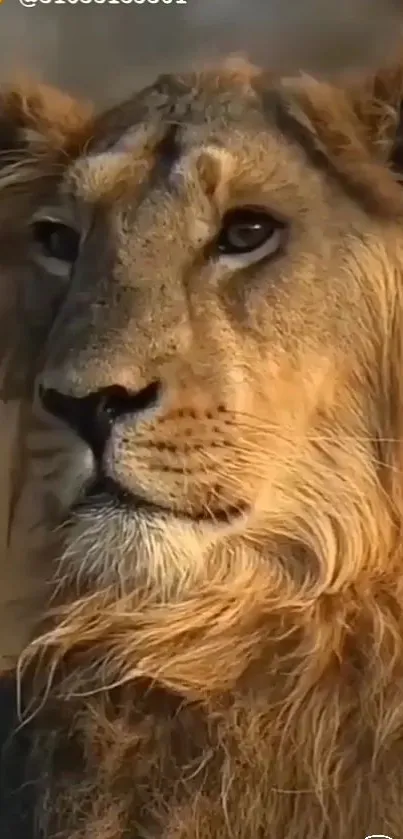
(226, 356)
(223, 350)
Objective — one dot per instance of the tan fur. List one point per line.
(235, 680)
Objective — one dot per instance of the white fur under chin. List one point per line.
(110, 545)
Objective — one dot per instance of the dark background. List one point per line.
(106, 51)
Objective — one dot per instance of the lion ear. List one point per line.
(39, 125)
(378, 103)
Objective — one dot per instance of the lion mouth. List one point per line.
(104, 491)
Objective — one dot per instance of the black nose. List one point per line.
(91, 417)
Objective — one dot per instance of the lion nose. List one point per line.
(91, 417)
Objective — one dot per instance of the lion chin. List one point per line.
(132, 542)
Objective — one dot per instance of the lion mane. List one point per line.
(257, 702)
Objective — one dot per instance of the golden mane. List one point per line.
(265, 699)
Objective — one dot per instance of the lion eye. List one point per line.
(248, 235)
(56, 240)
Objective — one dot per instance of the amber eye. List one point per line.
(56, 240)
(249, 233)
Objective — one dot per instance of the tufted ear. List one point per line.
(353, 128)
(378, 103)
(40, 128)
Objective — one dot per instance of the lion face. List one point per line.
(218, 351)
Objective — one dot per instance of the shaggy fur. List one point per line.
(199, 680)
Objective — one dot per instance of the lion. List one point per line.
(223, 651)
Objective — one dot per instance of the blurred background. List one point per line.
(105, 51)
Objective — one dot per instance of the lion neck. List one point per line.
(241, 709)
